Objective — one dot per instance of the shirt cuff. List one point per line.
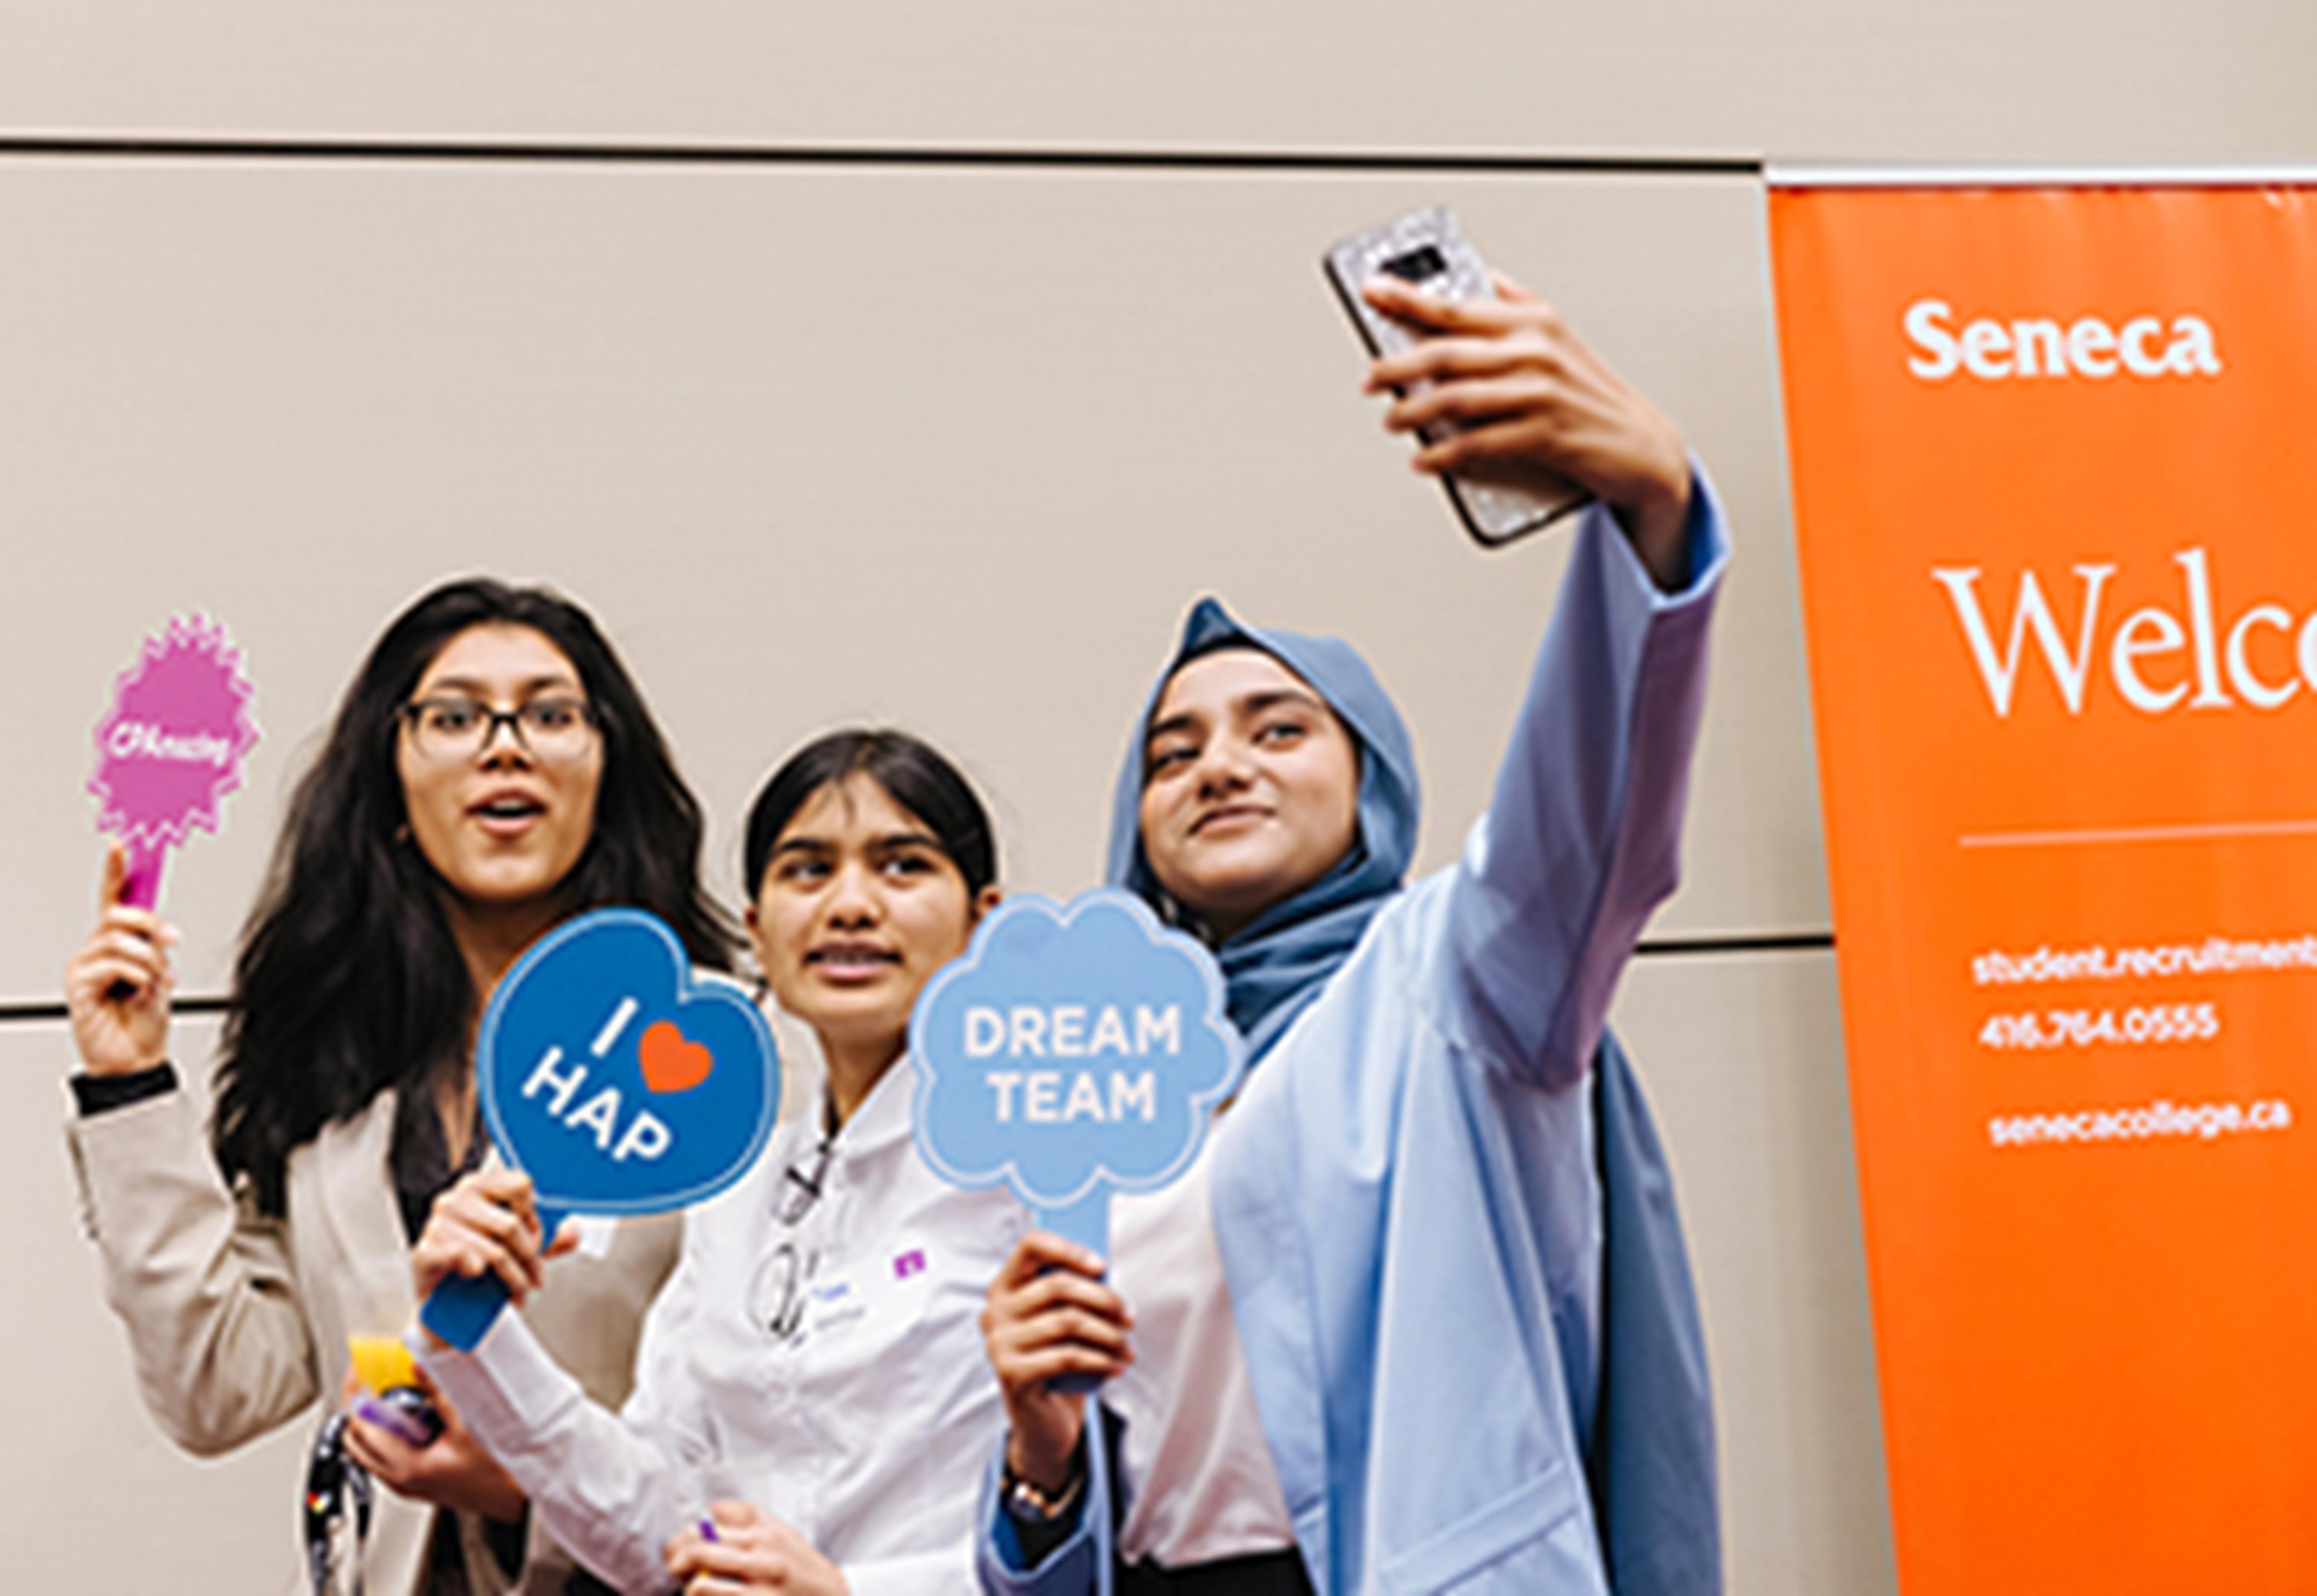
(100, 1094)
(1705, 548)
(508, 1389)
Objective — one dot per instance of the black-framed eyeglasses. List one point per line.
(792, 1267)
(448, 727)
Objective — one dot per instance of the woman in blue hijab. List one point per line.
(1419, 1319)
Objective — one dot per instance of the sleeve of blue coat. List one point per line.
(1080, 1565)
(1582, 836)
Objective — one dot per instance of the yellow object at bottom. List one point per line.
(382, 1362)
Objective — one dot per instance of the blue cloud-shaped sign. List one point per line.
(1074, 1051)
(615, 1080)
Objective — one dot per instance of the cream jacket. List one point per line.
(239, 1323)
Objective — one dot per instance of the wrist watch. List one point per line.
(1027, 1504)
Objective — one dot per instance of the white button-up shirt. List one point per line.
(817, 1351)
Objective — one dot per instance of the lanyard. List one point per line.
(331, 1479)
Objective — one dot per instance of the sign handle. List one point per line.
(460, 1310)
(1085, 1222)
(141, 888)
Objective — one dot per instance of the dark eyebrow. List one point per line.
(472, 688)
(891, 842)
(1255, 703)
(1172, 723)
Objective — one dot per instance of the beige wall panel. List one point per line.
(92, 1496)
(1976, 79)
(950, 449)
(1743, 1059)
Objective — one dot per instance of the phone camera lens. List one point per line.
(1418, 264)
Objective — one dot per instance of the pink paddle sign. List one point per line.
(171, 748)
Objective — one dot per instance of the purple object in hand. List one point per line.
(171, 748)
(404, 1412)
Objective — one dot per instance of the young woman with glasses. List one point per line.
(491, 770)
(811, 1409)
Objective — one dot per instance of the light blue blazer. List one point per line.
(1408, 1195)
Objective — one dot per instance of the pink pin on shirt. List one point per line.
(171, 748)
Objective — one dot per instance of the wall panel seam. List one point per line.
(49, 1012)
(578, 152)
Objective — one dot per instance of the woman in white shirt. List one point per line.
(811, 1405)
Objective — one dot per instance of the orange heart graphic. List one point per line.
(670, 1061)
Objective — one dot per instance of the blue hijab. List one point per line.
(1278, 963)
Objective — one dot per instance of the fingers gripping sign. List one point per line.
(1053, 1331)
(1075, 1049)
(118, 985)
(487, 1224)
(618, 1084)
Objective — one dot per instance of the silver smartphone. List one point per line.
(1427, 249)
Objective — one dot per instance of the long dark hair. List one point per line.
(349, 980)
(920, 779)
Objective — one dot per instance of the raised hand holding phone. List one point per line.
(1521, 420)
(1497, 498)
(1523, 389)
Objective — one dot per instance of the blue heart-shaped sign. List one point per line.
(617, 1081)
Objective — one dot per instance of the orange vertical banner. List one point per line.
(2057, 494)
